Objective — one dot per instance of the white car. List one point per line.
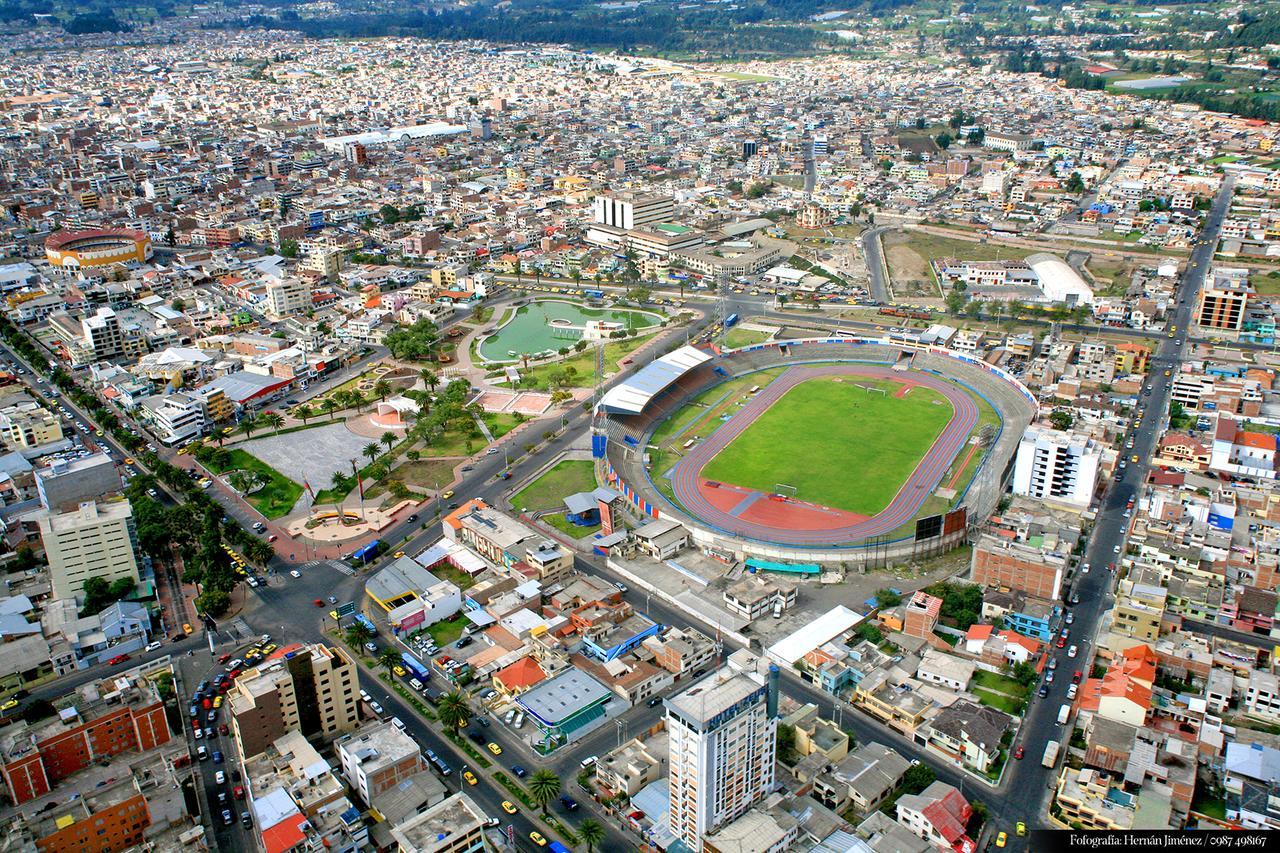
(377, 709)
(295, 573)
(220, 777)
(1085, 568)
(152, 646)
(364, 694)
(1115, 550)
(1071, 652)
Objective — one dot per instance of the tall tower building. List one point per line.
(723, 738)
(631, 210)
(1223, 299)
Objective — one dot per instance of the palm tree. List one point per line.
(592, 832)
(273, 420)
(304, 411)
(358, 400)
(338, 480)
(429, 378)
(329, 405)
(259, 552)
(371, 450)
(544, 786)
(248, 424)
(382, 388)
(388, 658)
(358, 635)
(453, 709)
(389, 438)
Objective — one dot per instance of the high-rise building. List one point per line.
(291, 295)
(97, 539)
(723, 738)
(1223, 299)
(64, 484)
(103, 334)
(309, 688)
(1056, 467)
(631, 210)
(453, 826)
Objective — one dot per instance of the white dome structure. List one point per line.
(1058, 281)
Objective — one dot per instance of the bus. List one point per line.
(755, 389)
(730, 320)
(368, 552)
(593, 294)
(415, 666)
(361, 619)
(557, 847)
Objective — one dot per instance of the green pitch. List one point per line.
(838, 444)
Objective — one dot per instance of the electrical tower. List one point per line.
(722, 301)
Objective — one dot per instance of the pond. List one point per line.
(547, 325)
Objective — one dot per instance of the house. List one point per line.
(1252, 782)
(969, 734)
(1124, 693)
(947, 670)
(939, 815)
(863, 779)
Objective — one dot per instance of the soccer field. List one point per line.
(838, 444)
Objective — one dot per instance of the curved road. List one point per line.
(686, 479)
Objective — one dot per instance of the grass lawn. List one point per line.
(446, 631)
(745, 337)
(426, 473)
(997, 701)
(501, 423)
(550, 490)
(567, 527)
(1267, 284)
(824, 423)
(274, 499)
(999, 683)
(583, 364)
(457, 577)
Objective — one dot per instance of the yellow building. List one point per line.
(98, 247)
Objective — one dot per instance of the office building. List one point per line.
(1223, 299)
(65, 484)
(378, 758)
(292, 295)
(309, 688)
(519, 550)
(103, 334)
(176, 417)
(1056, 467)
(631, 210)
(723, 739)
(97, 539)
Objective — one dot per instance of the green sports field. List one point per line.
(838, 444)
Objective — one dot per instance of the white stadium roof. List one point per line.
(1058, 281)
(630, 397)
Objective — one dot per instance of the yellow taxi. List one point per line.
(269, 648)
(509, 807)
(217, 701)
(398, 554)
(13, 703)
(470, 777)
(399, 670)
(1168, 373)
(1002, 839)
(186, 627)
(448, 494)
(536, 838)
(494, 748)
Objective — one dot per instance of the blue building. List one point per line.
(618, 639)
(1028, 616)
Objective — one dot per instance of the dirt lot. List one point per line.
(908, 270)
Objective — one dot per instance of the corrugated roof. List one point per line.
(630, 397)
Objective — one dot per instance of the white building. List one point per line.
(94, 540)
(377, 758)
(630, 210)
(1057, 467)
(288, 296)
(1058, 281)
(723, 739)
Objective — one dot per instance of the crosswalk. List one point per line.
(336, 565)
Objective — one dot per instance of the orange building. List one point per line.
(98, 247)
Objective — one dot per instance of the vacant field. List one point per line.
(838, 444)
(549, 490)
(745, 337)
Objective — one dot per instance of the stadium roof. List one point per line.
(630, 397)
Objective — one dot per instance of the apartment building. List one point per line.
(1139, 610)
(28, 424)
(631, 210)
(723, 739)
(97, 539)
(1223, 299)
(1056, 467)
(1021, 565)
(287, 296)
(681, 651)
(508, 543)
(101, 719)
(377, 758)
(754, 597)
(309, 688)
(454, 826)
(65, 484)
(176, 417)
(632, 766)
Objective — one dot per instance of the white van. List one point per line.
(398, 723)
(415, 684)
(509, 716)
(519, 719)
(589, 761)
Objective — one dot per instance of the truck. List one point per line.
(1064, 713)
(414, 666)
(1050, 754)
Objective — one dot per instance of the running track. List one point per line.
(687, 482)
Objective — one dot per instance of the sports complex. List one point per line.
(837, 449)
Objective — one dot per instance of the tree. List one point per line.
(1075, 183)
(955, 301)
(272, 420)
(1025, 674)
(413, 343)
(943, 140)
(639, 294)
(289, 248)
(454, 710)
(213, 602)
(248, 424)
(786, 737)
(592, 832)
(358, 635)
(382, 388)
(338, 481)
(388, 658)
(259, 552)
(886, 597)
(389, 439)
(371, 450)
(1061, 420)
(178, 305)
(99, 595)
(917, 778)
(304, 411)
(430, 379)
(544, 786)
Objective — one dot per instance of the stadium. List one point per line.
(98, 247)
(826, 450)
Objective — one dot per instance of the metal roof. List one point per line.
(631, 396)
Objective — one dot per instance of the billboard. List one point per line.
(955, 521)
(929, 527)
(347, 609)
